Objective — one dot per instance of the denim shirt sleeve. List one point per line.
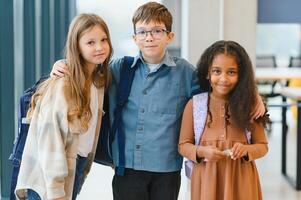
(195, 87)
(115, 66)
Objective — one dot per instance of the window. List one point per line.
(281, 40)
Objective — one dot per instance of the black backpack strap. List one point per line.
(126, 79)
(103, 153)
(123, 91)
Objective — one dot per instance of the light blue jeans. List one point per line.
(32, 195)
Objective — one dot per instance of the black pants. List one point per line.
(143, 185)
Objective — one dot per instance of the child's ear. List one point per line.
(170, 36)
(134, 38)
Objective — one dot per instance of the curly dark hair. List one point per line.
(242, 98)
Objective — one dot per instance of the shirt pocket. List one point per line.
(166, 97)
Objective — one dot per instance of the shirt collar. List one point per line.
(167, 60)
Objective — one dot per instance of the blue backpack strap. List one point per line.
(123, 91)
(23, 126)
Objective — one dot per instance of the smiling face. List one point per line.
(223, 74)
(153, 46)
(94, 47)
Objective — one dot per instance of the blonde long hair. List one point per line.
(77, 84)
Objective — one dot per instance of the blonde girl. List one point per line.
(66, 115)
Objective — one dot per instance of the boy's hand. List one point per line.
(59, 69)
(239, 150)
(210, 153)
(259, 109)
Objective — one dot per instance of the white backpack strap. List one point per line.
(200, 108)
(248, 135)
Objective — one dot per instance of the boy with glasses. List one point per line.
(161, 87)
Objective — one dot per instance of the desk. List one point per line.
(295, 94)
(275, 74)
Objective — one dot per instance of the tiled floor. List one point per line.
(274, 185)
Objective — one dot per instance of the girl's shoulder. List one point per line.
(201, 95)
(189, 104)
(60, 82)
(198, 103)
(55, 91)
(200, 100)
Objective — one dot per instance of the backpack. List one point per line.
(200, 110)
(103, 153)
(23, 126)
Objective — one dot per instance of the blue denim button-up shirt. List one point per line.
(152, 115)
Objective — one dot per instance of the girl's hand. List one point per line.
(259, 109)
(239, 150)
(210, 153)
(59, 69)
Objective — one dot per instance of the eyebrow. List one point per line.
(96, 37)
(235, 68)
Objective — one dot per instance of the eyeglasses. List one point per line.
(156, 33)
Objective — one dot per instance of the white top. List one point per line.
(152, 67)
(86, 139)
